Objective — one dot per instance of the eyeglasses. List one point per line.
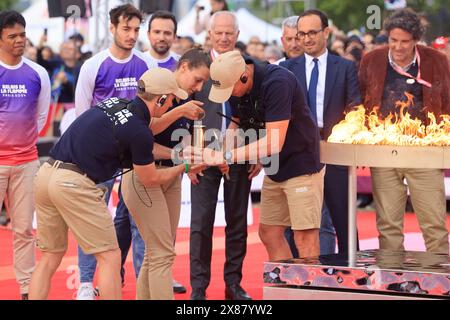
(311, 34)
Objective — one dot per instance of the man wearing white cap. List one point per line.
(66, 192)
(292, 194)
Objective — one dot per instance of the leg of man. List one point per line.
(305, 200)
(153, 222)
(428, 198)
(236, 195)
(108, 277)
(307, 242)
(138, 245)
(51, 234)
(87, 264)
(81, 205)
(327, 235)
(336, 201)
(203, 212)
(42, 276)
(289, 235)
(273, 239)
(390, 195)
(273, 220)
(21, 204)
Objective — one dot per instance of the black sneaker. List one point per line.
(198, 294)
(235, 292)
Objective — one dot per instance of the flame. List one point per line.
(399, 129)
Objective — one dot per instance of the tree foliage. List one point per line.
(352, 14)
(6, 4)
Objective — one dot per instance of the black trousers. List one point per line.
(203, 209)
(336, 198)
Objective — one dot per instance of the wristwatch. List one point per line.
(227, 156)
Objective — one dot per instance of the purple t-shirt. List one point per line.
(24, 103)
(104, 76)
(169, 63)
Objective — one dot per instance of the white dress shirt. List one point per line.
(309, 65)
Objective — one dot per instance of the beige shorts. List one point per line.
(68, 200)
(296, 202)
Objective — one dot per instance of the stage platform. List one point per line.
(375, 274)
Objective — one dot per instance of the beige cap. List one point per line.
(225, 71)
(159, 81)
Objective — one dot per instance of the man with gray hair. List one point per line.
(224, 31)
(289, 40)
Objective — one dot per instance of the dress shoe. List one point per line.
(178, 287)
(198, 294)
(235, 292)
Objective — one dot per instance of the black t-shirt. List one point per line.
(279, 95)
(395, 87)
(91, 141)
(177, 130)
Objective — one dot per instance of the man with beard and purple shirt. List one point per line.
(162, 31)
(24, 103)
(113, 72)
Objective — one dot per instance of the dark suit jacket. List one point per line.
(434, 68)
(341, 87)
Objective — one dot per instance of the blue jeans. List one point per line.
(327, 235)
(127, 233)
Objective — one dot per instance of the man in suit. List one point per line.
(223, 32)
(289, 40)
(385, 74)
(331, 85)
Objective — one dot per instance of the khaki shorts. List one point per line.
(296, 202)
(68, 200)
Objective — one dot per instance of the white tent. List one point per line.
(37, 20)
(36, 17)
(249, 25)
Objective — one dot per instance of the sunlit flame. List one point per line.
(399, 129)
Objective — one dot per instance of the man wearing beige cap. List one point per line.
(114, 134)
(224, 31)
(292, 193)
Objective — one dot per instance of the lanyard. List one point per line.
(406, 74)
(213, 54)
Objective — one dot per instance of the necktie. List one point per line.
(312, 90)
(227, 113)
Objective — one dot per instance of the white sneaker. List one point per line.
(178, 287)
(86, 291)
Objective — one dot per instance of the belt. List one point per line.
(164, 163)
(65, 165)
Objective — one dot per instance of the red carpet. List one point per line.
(64, 282)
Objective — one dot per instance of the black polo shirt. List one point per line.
(280, 97)
(174, 134)
(91, 141)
